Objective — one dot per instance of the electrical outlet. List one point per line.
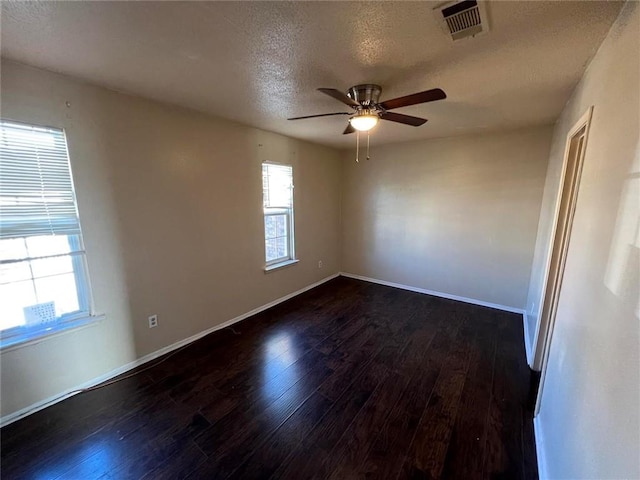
(319, 263)
(153, 321)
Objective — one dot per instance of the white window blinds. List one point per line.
(36, 189)
(277, 185)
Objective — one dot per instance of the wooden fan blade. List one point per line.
(320, 115)
(338, 95)
(406, 119)
(349, 129)
(421, 97)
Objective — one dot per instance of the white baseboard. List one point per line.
(527, 340)
(540, 450)
(435, 294)
(12, 417)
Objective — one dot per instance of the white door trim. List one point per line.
(553, 277)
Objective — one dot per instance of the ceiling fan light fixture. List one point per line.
(364, 122)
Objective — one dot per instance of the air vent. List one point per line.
(463, 19)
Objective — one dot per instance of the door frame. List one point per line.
(553, 277)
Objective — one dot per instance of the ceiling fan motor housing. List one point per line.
(366, 95)
(365, 100)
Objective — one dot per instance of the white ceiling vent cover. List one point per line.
(464, 19)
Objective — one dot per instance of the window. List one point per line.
(43, 276)
(277, 195)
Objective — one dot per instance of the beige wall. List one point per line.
(171, 208)
(453, 215)
(588, 424)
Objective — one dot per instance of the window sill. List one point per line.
(277, 266)
(33, 336)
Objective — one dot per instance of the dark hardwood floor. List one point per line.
(348, 380)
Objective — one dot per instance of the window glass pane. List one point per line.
(281, 226)
(12, 248)
(52, 266)
(281, 245)
(60, 289)
(272, 249)
(46, 245)
(270, 226)
(14, 272)
(15, 296)
(275, 226)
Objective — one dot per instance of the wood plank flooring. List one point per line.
(348, 380)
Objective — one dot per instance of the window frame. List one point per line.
(289, 259)
(21, 335)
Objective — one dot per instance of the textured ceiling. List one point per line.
(260, 62)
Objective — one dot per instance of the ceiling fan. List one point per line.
(363, 99)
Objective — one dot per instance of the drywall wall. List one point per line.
(588, 423)
(453, 215)
(171, 208)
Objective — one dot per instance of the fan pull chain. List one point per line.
(357, 145)
(368, 158)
